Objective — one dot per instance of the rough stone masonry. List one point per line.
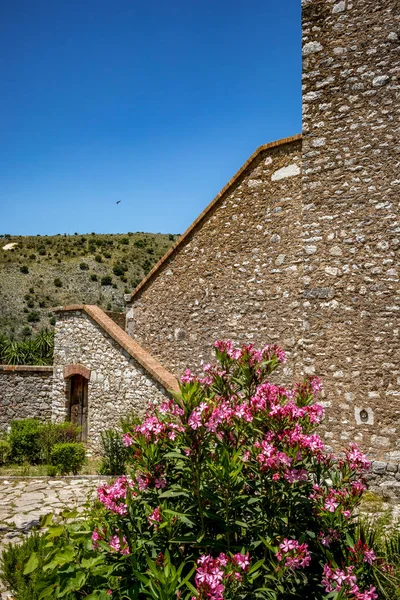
(351, 229)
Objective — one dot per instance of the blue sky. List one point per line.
(156, 104)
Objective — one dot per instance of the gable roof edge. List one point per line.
(204, 213)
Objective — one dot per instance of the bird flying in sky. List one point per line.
(118, 202)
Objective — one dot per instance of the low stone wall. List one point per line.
(384, 480)
(25, 391)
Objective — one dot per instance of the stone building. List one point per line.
(299, 248)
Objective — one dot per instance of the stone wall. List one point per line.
(117, 317)
(118, 384)
(25, 391)
(351, 233)
(235, 274)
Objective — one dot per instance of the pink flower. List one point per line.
(357, 459)
(115, 544)
(187, 377)
(335, 580)
(367, 595)
(160, 483)
(330, 505)
(294, 554)
(369, 556)
(242, 560)
(155, 517)
(111, 495)
(194, 420)
(127, 439)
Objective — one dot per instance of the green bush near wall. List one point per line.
(68, 458)
(24, 440)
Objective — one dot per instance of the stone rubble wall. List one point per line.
(118, 385)
(25, 391)
(351, 229)
(237, 275)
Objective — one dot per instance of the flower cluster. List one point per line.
(356, 459)
(362, 553)
(155, 517)
(331, 500)
(345, 581)
(212, 574)
(293, 554)
(249, 354)
(115, 543)
(113, 496)
(155, 429)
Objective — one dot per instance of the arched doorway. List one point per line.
(78, 403)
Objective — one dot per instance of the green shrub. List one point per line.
(93, 277)
(98, 258)
(33, 316)
(5, 451)
(125, 241)
(84, 266)
(52, 321)
(114, 453)
(24, 269)
(30, 303)
(107, 255)
(56, 433)
(32, 256)
(24, 440)
(171, 237)
(68, 457)
(106, 280)
(139, 244)
(57, 282)
(13, 562)
(118, 270)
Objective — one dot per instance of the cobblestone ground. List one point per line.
(24, 501)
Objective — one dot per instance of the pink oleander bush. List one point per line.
(231, 494)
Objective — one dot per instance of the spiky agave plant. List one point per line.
(38, 351)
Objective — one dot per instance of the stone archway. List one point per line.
(77, 377)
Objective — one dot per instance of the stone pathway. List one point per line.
(24, 501)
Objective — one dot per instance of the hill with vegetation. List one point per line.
(40, 272)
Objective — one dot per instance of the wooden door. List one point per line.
(78, 403)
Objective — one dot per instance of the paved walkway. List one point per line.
(24, 501)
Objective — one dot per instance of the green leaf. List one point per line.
(73, 583)
(32, 563)
(46, 520)
(173, 494)
(310, 534)
(69, 514)
(64, 556)
(55, 531)
(88, 563)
